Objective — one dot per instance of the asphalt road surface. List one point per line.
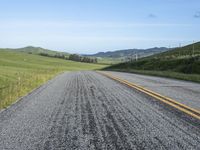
(184, 92)
(86, 110)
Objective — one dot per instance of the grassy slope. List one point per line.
(20, 73)
(37, 50)
(180, 63)
(182, 52)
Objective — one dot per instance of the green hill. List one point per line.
(21, 72)
(181, 63)
(182, 52)
(119, 56)
(37, 50)
(130, 52)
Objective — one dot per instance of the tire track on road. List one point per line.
(94, 112)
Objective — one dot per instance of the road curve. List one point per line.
(86, 110)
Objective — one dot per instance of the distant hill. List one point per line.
(181, 63)
(130, 52)
(37, 50)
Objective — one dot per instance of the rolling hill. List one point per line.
(37, 50)
(130, 52)
(181, 63)
(181, 52)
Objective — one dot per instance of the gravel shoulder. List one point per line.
(86, 110)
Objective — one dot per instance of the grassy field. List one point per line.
(20, 73)
(180, 63)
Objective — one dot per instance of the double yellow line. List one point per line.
(186, 109)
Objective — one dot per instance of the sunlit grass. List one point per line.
(20, 73)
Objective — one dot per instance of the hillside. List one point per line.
(130, 52)
(186, 51)
(37, 50)
(181, 63)
(21, 72)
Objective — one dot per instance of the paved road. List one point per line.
(185, 92)
(85, 110)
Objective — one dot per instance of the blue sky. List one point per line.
(89, 26)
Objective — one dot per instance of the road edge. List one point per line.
(21, 98)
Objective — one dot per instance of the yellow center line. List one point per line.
(184, 108)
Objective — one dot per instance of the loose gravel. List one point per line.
(86, 111)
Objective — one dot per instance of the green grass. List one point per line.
(20, 73)
(180, 63)
(182, 52)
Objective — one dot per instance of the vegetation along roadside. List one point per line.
(180, 63)
(21, 72)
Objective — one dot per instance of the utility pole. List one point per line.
(136, 57)
(193, 49)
